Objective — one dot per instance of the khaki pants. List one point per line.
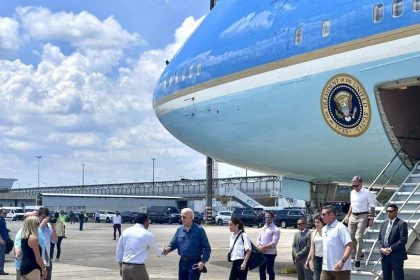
(335, 275)
(35, 274)
(134, 272)
(357, 227)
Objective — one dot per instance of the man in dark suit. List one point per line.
(300, 250)
(393, 237)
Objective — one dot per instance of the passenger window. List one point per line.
(416, 5)
(326, 24)
(298, 36)
(397, 8)
(198, 69)
(184, 74)
(378, 13)
(180, 76)
(191, 72)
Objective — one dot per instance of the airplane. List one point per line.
(320, 89)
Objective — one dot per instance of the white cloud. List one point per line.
(84, 30)
(249, 23)
(9, 34)
(69, 109)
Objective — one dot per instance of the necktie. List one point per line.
(388, 231)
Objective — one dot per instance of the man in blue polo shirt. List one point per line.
(193, 246)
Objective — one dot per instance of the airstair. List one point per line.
(239, 196)
(407, 198)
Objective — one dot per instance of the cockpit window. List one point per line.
(198, 69)
(176, 78)
(397, 8)
(164, 83)
(378, 12)
(326, 25)
(416, 5)
(180, 76)
(191, 72)
(298, 36)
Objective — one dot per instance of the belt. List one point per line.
(190, 258)
(361, 213)
(133, 263)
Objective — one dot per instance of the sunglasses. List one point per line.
(390, 211)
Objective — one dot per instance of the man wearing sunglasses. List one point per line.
(362, 204)
(300, 250)
(393, 237)
(193, 247)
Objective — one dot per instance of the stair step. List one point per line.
(415, 175)
(415, 202)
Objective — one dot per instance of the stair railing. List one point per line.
(388, 164)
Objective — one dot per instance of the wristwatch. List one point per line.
(343, 260)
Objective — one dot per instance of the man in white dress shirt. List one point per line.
(132, 249)
(362, 204)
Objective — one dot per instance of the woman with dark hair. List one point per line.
(239, 244)
(314, 260)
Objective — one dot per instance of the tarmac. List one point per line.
(90, 254)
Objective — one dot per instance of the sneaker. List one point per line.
(357, 265)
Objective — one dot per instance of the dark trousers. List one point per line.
(236, 273)
(81, 221)
(117, 226)
(317, 267)
(186, 272)
(60, 238)
(268, 267)
(389, 266)
(2, 257)
(52, 246)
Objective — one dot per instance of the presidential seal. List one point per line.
(345, 105)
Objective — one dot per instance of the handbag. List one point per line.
(229, 255)
(257, 257)
(9, 245)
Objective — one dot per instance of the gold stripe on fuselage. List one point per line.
(321, 53)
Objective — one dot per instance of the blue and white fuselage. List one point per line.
(297, 87)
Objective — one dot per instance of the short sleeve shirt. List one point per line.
(335, 238)
(242, 244)
(361, 201)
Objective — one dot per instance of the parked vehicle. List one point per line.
(105, 216)
(14, 213)
(198, 218)
(223, 217)
(128, 216)
(30, 208)
(341, 206)
(289, 217)
(163, 214)
(248, 216)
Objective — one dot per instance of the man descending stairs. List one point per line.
(407, 200)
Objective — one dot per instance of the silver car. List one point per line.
(223, 217)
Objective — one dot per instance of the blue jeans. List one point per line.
(317, 267)
(185, 269)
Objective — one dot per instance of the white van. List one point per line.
(14, 213)
(31, 208)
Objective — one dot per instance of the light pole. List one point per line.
(83, 174)
(153, 178)
(38, 158)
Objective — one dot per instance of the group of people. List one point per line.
(324, 253)
(34, 244)
(193, 247)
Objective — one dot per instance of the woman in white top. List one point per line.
(240, 249)
(314, 260)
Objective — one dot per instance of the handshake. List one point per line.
(166, 250)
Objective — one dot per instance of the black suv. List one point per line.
(289, 217)
(163, 214)
(128, 216)
(249, 216)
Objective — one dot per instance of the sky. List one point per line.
(76, 87)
